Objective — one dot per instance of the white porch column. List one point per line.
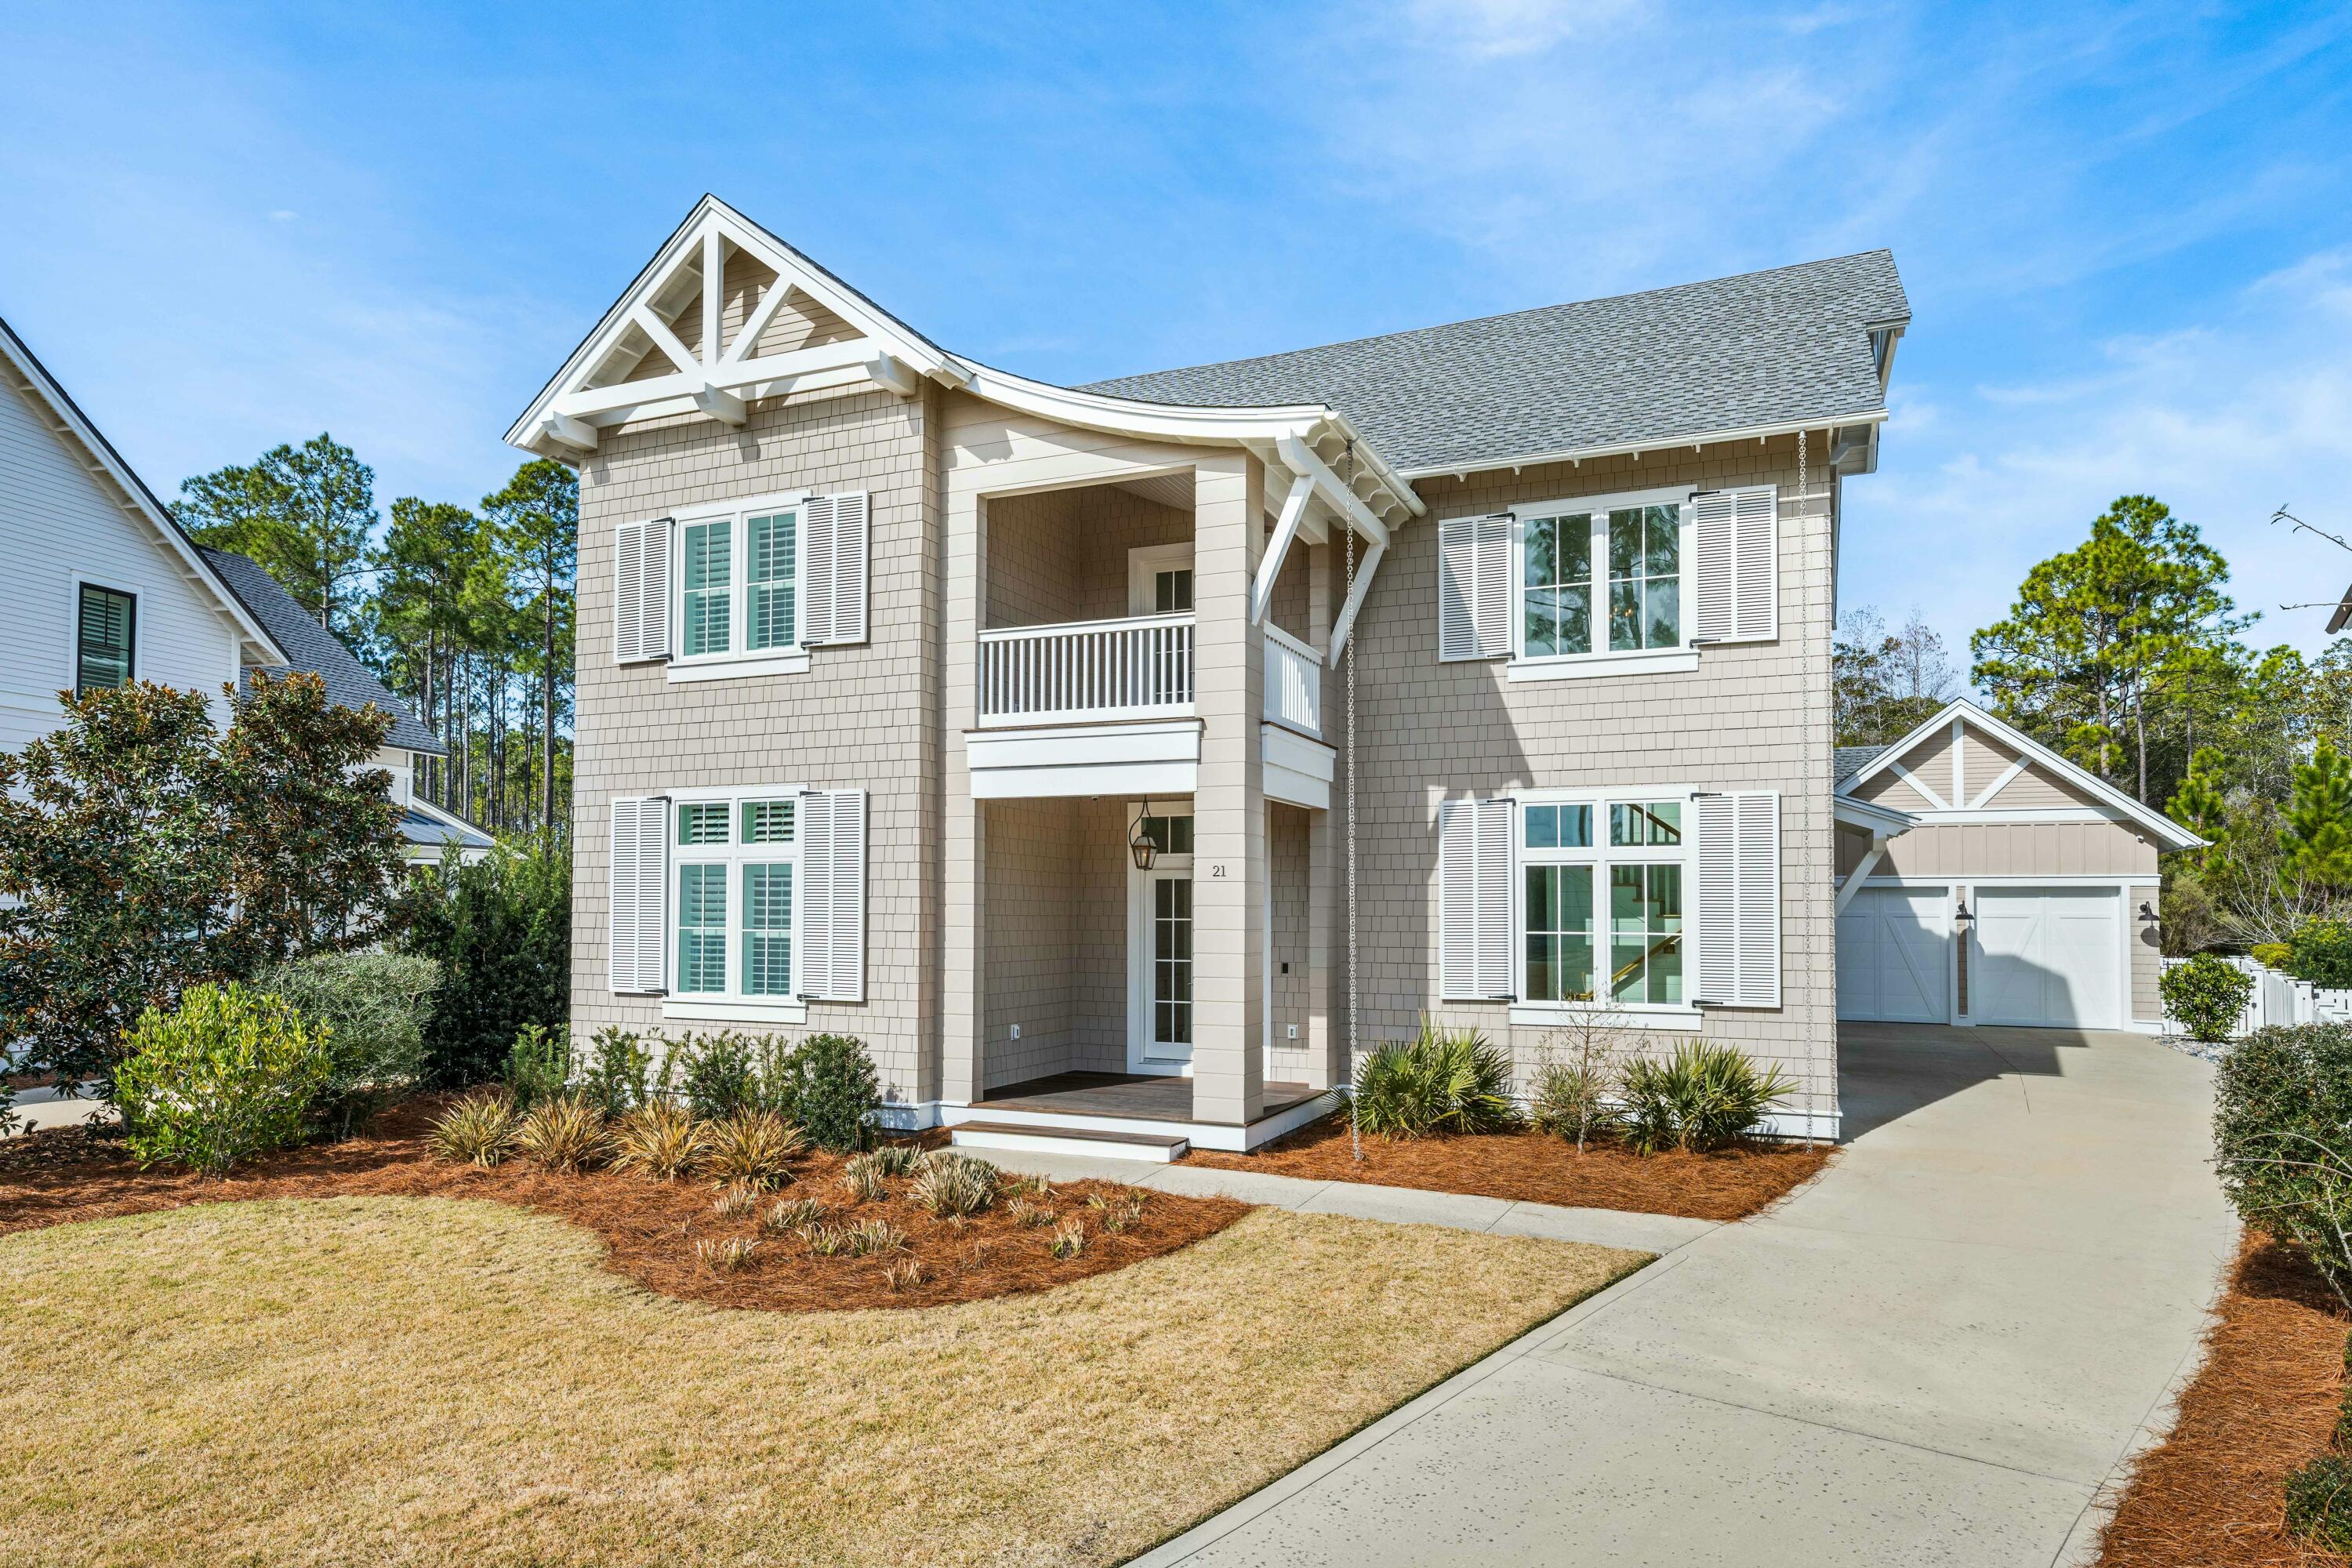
(962, 842)
(1229, 847)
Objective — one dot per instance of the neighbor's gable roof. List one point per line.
(1761, 352)
(310, 647)
(2167, 832)
(107, 464)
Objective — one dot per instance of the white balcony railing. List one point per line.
(1138, 668)
(1294, 683)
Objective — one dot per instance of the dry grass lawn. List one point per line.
(427, 1380)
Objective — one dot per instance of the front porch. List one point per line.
(1148, 1116)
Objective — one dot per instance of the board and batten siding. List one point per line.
(59, 523)
(1752, 717)
(862, 716)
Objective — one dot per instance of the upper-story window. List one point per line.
(736, 584)
(1604, 584)
(743, 587)
(105, 627)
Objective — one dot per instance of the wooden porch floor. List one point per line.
(1143, 1096)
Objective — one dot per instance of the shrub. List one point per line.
(873, 1235)
(565, 1133)
(480, 1130)
(227, 1075)
(954, 1186)
(719, 1080)
(731, 1255)
(2271, 955)
(1116, 1214)
(751, 1147)
(2283, 1139)
(539, 1064)
(1028, 1215)
(1701, 1097)
(2205, 995)
(1069, 1240)
(897, 1157)
(791, 1215)
(375, 1005)
(735, 1201)
(661, 1140)
(1441, 1081)
(832, 1091)
(2319, 1501)
(1572, 1100)
(2321, 953)
(862, 1174)
(501, 929)
(827, 1240)
(904, 1275)
(620, 1073)
(1036, 1187)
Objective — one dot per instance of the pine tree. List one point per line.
(2316, 837)
(305, 514)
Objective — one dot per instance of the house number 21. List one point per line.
(1216, 872)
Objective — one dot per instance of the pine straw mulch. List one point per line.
(1537, 1167)
(649, 1228)
(2212, 1493)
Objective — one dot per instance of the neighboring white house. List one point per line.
(102, 586)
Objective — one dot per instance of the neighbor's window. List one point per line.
(103, 638)
(1568, 879)
(734, 910)
(709, 600)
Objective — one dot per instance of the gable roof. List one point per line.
(103, 459)
(1761, 351)
(2167, 833)
(309, 646)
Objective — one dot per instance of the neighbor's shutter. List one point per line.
(1473, 587)
(639, 894)
(1740, 899)
(1738, 564)
(1473, 899)
(641, 591)
(834, 549)
(832, 895)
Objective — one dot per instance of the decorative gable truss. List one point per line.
(725, 314)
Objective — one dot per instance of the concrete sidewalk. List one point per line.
(1938, 1353)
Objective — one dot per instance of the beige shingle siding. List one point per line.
(2018, 849)
(2147, 955)
(1056, 933)
(863, 717)
(1752, 717)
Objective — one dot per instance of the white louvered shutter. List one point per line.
(835, 535)
(1740, 899)
(1738, 545)
(1473, 899)
(1473, 587)
(641, 591)
(832, 895)
(639, 889)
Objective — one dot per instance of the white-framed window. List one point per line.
(1602, 915)
(739, 584)
(749, 585)
(1590, 585)
(734, 871)
(105, 632)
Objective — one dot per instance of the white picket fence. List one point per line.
(2281, 999)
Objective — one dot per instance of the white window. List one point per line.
(757, 583)
(1599, 584)
(734, 869)
(1602, 909)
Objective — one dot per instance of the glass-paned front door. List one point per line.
(1172, 967)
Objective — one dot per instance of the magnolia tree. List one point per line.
(145, 850)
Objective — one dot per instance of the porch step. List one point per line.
(1161, 1148)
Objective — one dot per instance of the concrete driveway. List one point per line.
(1938, 1353)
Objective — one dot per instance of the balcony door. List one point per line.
(1159, 947)
(1159, 580)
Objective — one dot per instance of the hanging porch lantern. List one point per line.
(1141, 844)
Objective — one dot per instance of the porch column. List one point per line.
(962, 842)
(1229, 868)
(1323, 842)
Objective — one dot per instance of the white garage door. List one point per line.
(2049, 957)
(1891, 952)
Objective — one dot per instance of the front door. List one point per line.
(1159, 948)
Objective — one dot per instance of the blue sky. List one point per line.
(2125, 230)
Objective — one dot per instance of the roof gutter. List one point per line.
(1659, 443)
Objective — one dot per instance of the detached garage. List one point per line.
(1982, 879)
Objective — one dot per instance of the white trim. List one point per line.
(698, 1010)
(2007, 777)
(1927, 791)
(736, 669)
(1680, 659)
(1630, 1014)
(1595, 666)
(1297, 770)
(1652, 444)
(1224, 1136)
(733, 855)
(1820, 1124)
(1139, 915)
(1159, 758)
(1870, 814)
(2169, 834)
(1285, 530)
(2099, 879)
(2020, 814)
(1355, 603)
(1144, 565)
(76, 581)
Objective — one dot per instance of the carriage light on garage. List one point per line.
(1960, 917)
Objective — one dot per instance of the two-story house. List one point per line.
(1112, 759)
(104, 587)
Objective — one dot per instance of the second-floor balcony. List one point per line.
(1088, 671)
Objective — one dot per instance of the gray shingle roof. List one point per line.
(310, 647)
(1850, 759)
(1761, 349)
(419, 826)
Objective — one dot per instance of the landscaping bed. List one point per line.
(1726, 1183)
(2212, 1494)
(655, 1231)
